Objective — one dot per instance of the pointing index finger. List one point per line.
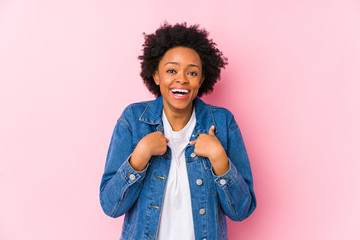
(212, 130)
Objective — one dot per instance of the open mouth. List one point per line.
(179, 92)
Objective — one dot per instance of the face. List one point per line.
(179, 77)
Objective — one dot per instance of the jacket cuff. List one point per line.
(225, 180)
(129, 174)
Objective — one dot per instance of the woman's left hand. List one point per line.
(208, 145)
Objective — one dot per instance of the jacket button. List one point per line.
(132, 177)
(202, 211)
(199, 182)
(222, 181)
(193, 155)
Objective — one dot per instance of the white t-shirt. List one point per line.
(176, 221)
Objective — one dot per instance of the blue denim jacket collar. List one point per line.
(204, 116)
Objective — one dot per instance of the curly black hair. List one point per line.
(167, 37)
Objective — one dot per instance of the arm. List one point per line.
(120, 184)
(231, 171)
(235, 187)
(125, 169)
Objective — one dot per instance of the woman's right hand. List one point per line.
(153, 144)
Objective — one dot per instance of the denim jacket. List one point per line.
(139, 195)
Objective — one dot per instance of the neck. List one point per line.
(178, 118)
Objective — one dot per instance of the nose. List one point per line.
(182, 78)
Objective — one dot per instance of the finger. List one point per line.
(192, 142)
(167, 140)
(212, 131)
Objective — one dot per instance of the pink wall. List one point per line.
(68, 68)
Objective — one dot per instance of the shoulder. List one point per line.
(222, 116)
(216, 110)
(219, 112)
(134, 110)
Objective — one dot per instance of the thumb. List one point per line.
(212, 131)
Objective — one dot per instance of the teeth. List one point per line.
(179, 90)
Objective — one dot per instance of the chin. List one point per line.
(183, 105)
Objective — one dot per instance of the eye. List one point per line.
(193, 73)
(170, 71)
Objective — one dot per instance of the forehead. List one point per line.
(181, 55)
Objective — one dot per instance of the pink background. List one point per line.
(68, 69)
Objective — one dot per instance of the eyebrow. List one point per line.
(176, 63)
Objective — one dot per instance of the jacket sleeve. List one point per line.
(235, 187)
(120, 184)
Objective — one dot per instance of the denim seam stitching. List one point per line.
(147, 204)
(231, 205)
(117, 206)
(233, 127)
(142, 115)
(124, 123)
(229, 199)
(213, 119)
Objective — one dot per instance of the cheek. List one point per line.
(163, 83)
(196, 89)
(197, 84)
(162, 88)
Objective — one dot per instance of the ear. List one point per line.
(202, 79)
(156, 77)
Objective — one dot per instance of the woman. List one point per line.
(176, 166)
